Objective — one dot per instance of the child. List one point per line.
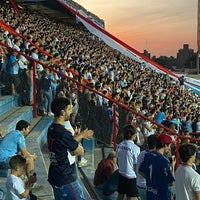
(17, 189)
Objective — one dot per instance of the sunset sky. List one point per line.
(161, 27)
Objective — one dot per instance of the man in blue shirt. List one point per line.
(158, 171)
(13, 66)
(13, 143)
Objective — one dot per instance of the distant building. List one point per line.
(147, 54)
(183, 55)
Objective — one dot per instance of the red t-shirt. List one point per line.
(104, 169)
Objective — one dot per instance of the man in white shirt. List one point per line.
(187, 180)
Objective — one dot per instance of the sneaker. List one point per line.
(36, 186)
(50, 114)
(83, 162)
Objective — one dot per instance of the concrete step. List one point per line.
(6, 103)
(34, 142)
(9, 119)
(11, 113)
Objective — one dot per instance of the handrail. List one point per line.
(170, 131)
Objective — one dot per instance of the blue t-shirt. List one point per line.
(11, 144)
(13, 69)
(60, 142)
(158, 176)
(160, 117)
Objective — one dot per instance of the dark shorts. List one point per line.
(15, 80)
(127, 186)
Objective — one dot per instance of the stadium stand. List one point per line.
(78, 64)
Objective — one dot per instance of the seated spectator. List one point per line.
(16, 188)
(110, 187)
(104, 169)
(14, 143)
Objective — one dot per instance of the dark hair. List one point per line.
(151, 141)
(59, 104)
(111, 155)
(128, 131)
(17, 161)
(159, 144)
(186, 151)
(22, 124)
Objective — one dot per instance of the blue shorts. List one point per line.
(72, 191)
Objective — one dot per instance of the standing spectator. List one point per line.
(3, 57)
(198, 125)
(62, 175)
(160, 117)
(13, 67)
(141, 182)
(14, 142)
(157, 170)
(29, 74)
(181, 82)
(127, 153)
(46, 92)
(187, 180)
(175, 120)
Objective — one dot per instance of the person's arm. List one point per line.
(86, 134)
(25, 153)
(28, 185)
(25, 194)
(173, 165)
(197, 195)
(78, 151)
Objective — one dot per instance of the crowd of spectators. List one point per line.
(153, 94)
(73, 48)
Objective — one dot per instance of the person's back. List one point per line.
(140, 180)
(157, 170)
(10, 144)
(104, 169)
(157, 176)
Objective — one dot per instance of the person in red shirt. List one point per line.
(105, 168)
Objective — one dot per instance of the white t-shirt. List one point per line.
(22, 62)
(127, 153)
(187, 182)
(68, 126)
(15, 186)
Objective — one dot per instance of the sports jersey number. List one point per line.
(150, 172)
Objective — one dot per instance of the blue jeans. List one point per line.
(48, 99)
(71, 191)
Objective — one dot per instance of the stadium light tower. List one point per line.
(198, 36)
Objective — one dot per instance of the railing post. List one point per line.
(114, 127)
(177, 153)
(34, 91)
